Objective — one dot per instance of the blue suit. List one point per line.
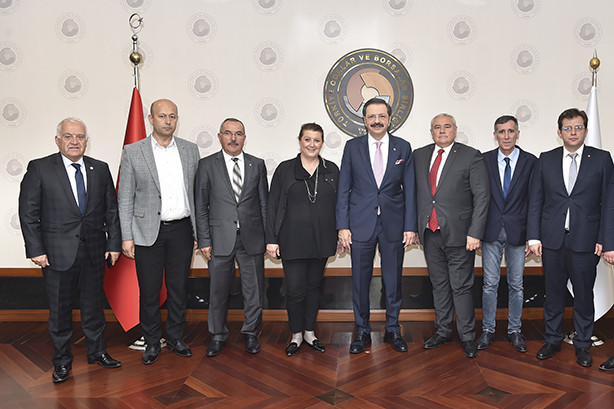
(357, 209)
(569, 254)
(506, 230)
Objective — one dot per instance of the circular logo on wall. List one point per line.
(525, 112)
(361, 75)
(461, 85)
(201, 28)
(581, 85)
(203, 84)
(10, 56)
(13, 167)
(397, 7)
(269, 112)
(12, 112)
(465, 135)
(402, 53)
(267, 7)
(205, 136)
(526, 8)
(333, 140)
(134, 6)
(268, 56)
(332, 29)
(8, 7)
(70, 28)
(587, 32)
(462, 30)
(11, 222)
(73, 84)
(525, 58)
(271, 161)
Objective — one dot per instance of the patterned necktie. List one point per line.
(378, 164)
(507, 177)
(433, 223)
(81, 195)
(573, 172)
(237, 182)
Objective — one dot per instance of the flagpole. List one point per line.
(594, 63)
(135, 22)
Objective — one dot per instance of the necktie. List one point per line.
(237, 182)
(433, 223)
(378, 164)
(507, 177)
(81, 195)
(573, 172)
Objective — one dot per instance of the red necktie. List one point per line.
(433, 223)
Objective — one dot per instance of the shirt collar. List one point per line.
(384, 140)
(68, 163)
(228, 158)
(579, 151)
(156, 145)
(513, 156)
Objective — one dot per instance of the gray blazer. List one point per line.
(462, 196)
(217, 210)
(139, 196)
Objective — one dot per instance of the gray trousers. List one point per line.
(221, 273)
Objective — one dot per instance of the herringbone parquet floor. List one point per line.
(380, 378)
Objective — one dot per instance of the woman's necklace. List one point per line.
(312, 197)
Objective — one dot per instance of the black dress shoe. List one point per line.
(105, 360)
(316, 345)
(151, 353)
(293, 348)
(608, 365)
(548, 351)
(485, 340)
(179, 347)
(396, 340)
(215, 347)
(251, 344)
(60, 373)
(436, 341)
(517, 341)
(470, 348)
(360, 343)
(583, 357)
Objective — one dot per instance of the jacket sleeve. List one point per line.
(114, 238)
(344, 188)
(480, 189)
(202, 188)
(30, 203)
(126, 191)
(273, 206)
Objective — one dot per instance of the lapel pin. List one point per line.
(91, 168)
(394, 149)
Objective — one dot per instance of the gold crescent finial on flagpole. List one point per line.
(594, 63)
(136, 58)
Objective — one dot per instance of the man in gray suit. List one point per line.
(453, 196)
(231, 197)
(156, 210)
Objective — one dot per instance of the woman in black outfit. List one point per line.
(301, 231)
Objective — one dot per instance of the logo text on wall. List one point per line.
(361, 75)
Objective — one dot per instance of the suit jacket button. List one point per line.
(158, 213)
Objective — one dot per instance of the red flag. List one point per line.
(120, 282)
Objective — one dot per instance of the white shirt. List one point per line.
(70, 169)
(444, 157)
(384, 147)
(513, 161)
(175, 204)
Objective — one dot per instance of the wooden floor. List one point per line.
(381, 378)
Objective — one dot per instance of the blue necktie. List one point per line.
(507, 177)
(80, 187)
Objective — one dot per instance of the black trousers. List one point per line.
(303, 279)
(169, 258)
(61, 289)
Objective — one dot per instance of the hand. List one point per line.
(195, 245)
(114, 256)
(345, 237)
(272, 250)
(41, 260)
(527, 250)
(536, 249)
(206, 252)
(473, 244)
(128, 248)
(340, 248)
(598, 249)
(609, 256)
(410, 238)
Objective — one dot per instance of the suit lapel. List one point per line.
(150, 161)
(92, 173)
(585, 165)
(221, 166)
(64, 182)
(446, 167)
(183, 156)
(248, 173)
(363, 149)
(392, 157)
(493, 164)
(518, 170)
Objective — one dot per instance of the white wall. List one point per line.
(70, 58)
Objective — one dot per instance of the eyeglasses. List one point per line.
(238, 134)
(69, 136)
(577, 128)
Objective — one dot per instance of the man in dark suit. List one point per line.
(376, 205)
(509, 170)
(608, 247)
(231, 209)
(69, 221)
(565, 229)
(453, 197)
(156, 209)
